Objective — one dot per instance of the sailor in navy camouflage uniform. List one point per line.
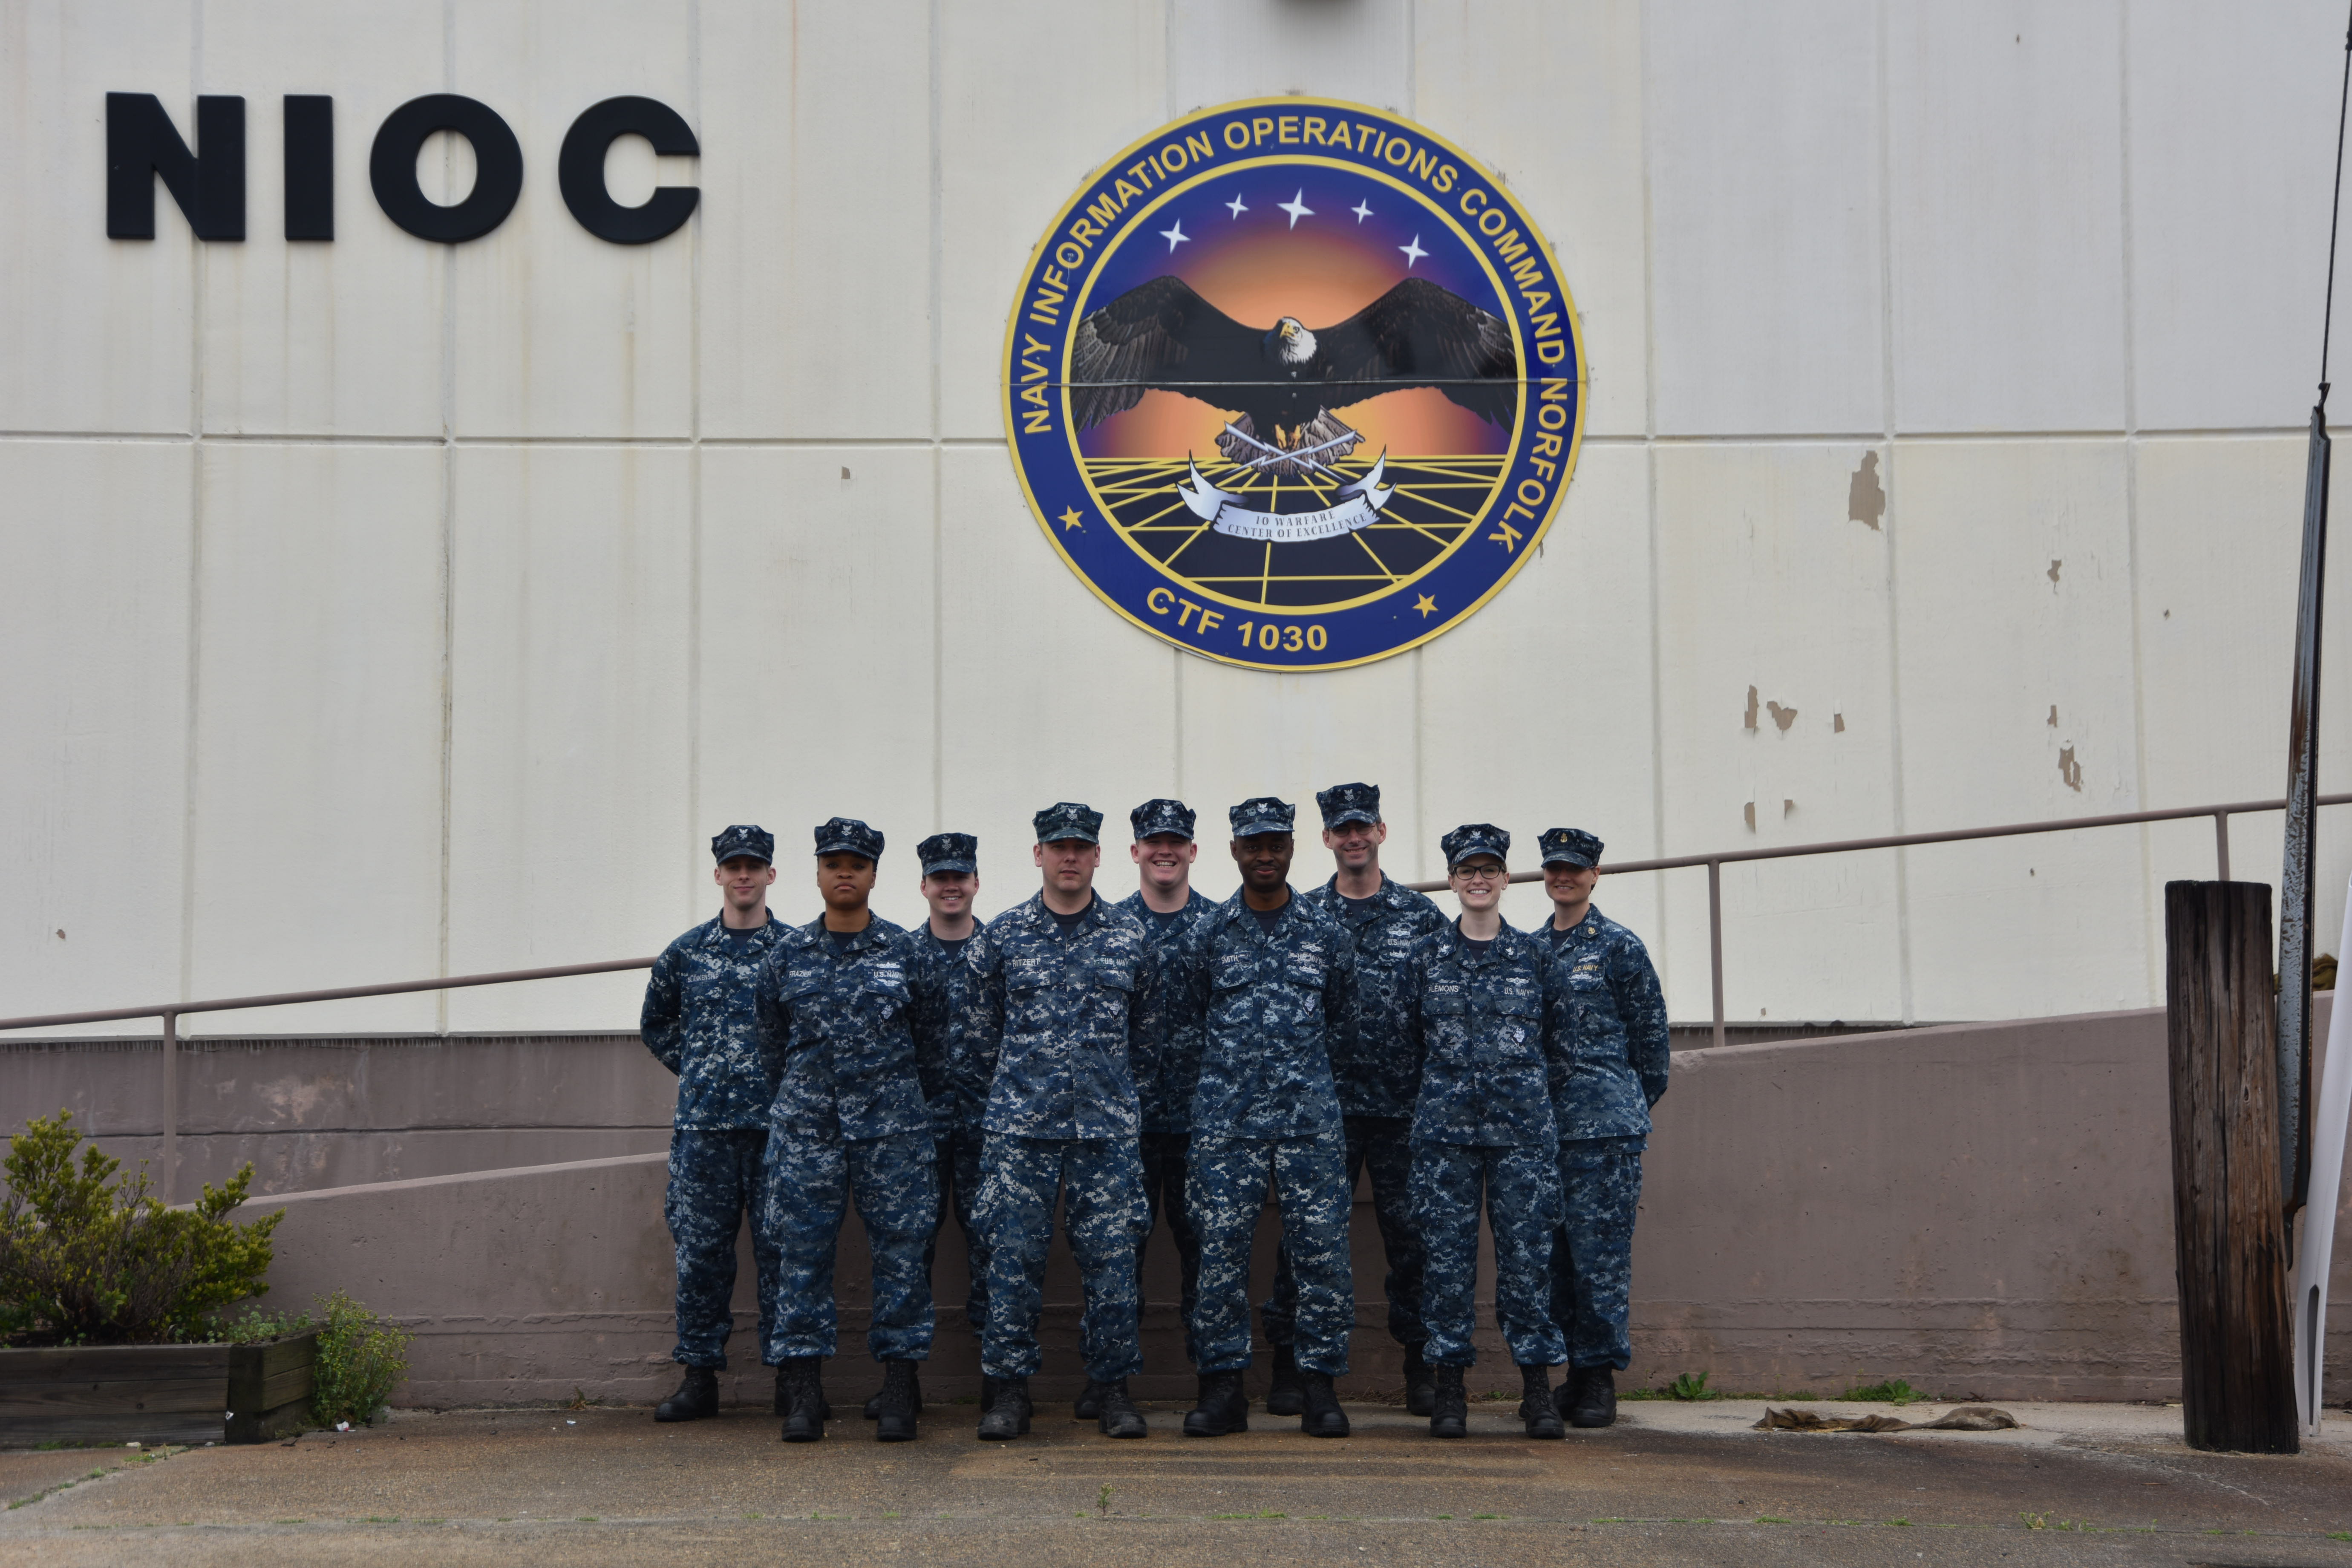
(1378, 1071)
(940, 987)
(1052, 1026)
(1610, 1013)
(1170, 1065)
(1474, 997)
(849, 1124)
(699, 1022)
(1273, 976)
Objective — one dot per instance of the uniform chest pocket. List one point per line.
(1231, 971)
(1445, 1003)
(1522, 1001)
(885, 995)
(1029, 971)
(1587, 978)
(1112, 974)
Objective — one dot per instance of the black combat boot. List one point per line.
(988, 1387)
(785, 1396)
(1282, 1395)
(1536, 1407)
(1595, 1403)
(1008, 1416)
(1420, 1383)
(1449, 1407)
(1323, 1418)
(1087, 1406)
(873, 1405)
(900, 1400)
(805, 1399)
(1117, 1412)
(696, 1398)
(1222, 1406)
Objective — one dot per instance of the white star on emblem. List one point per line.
(1175, 237)
(1361, 209)
(1235, 206)
(1297, 208)
(1413, 252)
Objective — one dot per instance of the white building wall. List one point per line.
(379, 609)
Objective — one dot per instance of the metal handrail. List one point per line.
(1716, 863)
(169, 1012)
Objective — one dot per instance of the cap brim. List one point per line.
(744, 854)
(1565, 858)
(837, 848)
(1346, 817)
(1066, 838)
(1251, 829)
(933, 868)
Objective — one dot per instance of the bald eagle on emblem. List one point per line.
(1286, 379)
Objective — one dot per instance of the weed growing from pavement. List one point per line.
(1893, 1391)
(1688, 1386)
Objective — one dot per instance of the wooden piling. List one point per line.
(2237, 1388)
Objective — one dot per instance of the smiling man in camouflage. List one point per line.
(1377, 1067)
(1275, 979)
(1051, 1028)
(699, 1021)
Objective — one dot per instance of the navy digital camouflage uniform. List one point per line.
(1378, 1073)
(1265, 1111)
(849, 1124)
(939, 988)
(1168, 1065)
(699, 1022)
(1611, 1018)
(1483, 1120)
(1053, 1022)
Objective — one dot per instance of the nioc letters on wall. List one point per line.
(207, 181)
(1294, 384)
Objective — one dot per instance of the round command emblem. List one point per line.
(1294, 384)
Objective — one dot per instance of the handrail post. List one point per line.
(2222, 845)
(1715, 939)
(170, 1104)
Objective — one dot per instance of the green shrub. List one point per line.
(254, 1326)
(1893, 1391)
(85, 1259)
(361, 1359)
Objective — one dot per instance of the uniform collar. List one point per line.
(1505, 942)
(1390, 894)
(875, 932)
(714, 931)
(1235, 909)
(1041, 918)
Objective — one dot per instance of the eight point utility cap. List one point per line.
(1068, 819)
(846, 835)
(1350, 802)
(948, 852)
(1161, 816)
(1262, 814)
(744, 839)
(1570, 847)
(1474, 839)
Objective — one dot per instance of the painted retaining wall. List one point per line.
(1983, 1209)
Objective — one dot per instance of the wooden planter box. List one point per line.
(158, 1394)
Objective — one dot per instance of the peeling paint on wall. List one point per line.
(2054, 574)
(1787, 806)
(1865, 500)
(1751, 707)
(2054, 715)
(1784, 717)
(1837, 723)
(1750, 810)
(2070, 770)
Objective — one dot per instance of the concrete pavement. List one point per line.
(1671, 1483)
